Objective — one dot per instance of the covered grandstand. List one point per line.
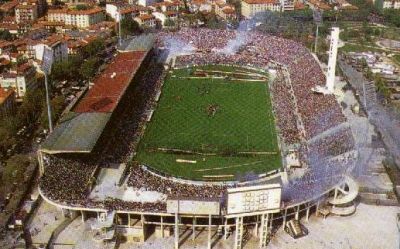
(81, 128)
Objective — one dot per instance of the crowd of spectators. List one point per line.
(284, 110)
(202, 39)
(123, 142)
(334, 144)
(141, 178)
(67, 179)
(322, 175)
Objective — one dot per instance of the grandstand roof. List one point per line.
(110, 86)
(80, 129)
(77, 132)
(139, 43)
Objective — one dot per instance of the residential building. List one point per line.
(126, 11)
(224, 10)
(250, 8)
(145, 3)
(6, 46)
(7, 101)
(388, 4)
(20, 79)
(75, 45)
(165, 6)
(58, 27)
(146, 20)
(165, 11)
(56, 43)
(288, 5)
(164, 16)
(200, 5)
(130, 12)
(76, 18)
(26, 13)
(318, 5)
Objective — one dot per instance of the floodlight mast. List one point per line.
(330, 77)
(316, 40)
(48, 102)
(47, 62)
(119, 27)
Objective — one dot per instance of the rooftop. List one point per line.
(8, 6)
(75, 12)
(111, 84)
(146, 17)
(261, 1)
(5, 94)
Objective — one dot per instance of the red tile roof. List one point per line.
(8, 6)
(110, 86)
(4, 44)
(129, 10)
(261, 1)
(91, 11)
(146, 17)
(5, 94)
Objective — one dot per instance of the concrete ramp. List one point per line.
(343, 211)
(345, 197)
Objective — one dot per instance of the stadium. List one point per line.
(202, 129)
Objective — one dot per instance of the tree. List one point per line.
(57, 106)
(15, 168)
(369, 74)
(6, 35)
(94, 47)
(392, 16)
(31, 107)
(129, 27)
(191, 18)
(82, 7)
(363, 63)
(212, 22)
(89, 67)
(381, 86)
(169, 22)
(7, 138)
(67, 69)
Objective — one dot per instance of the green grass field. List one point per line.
(225, 126)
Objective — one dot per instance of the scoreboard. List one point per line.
(254, 199)
(188, 206)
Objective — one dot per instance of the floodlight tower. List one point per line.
(119, 27)
(330, 77)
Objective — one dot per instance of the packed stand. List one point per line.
(284, 110)
(142, 179)
(66, 179)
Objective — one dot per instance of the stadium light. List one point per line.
(47, 62)
(119, 27)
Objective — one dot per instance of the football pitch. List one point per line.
(217, 127)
